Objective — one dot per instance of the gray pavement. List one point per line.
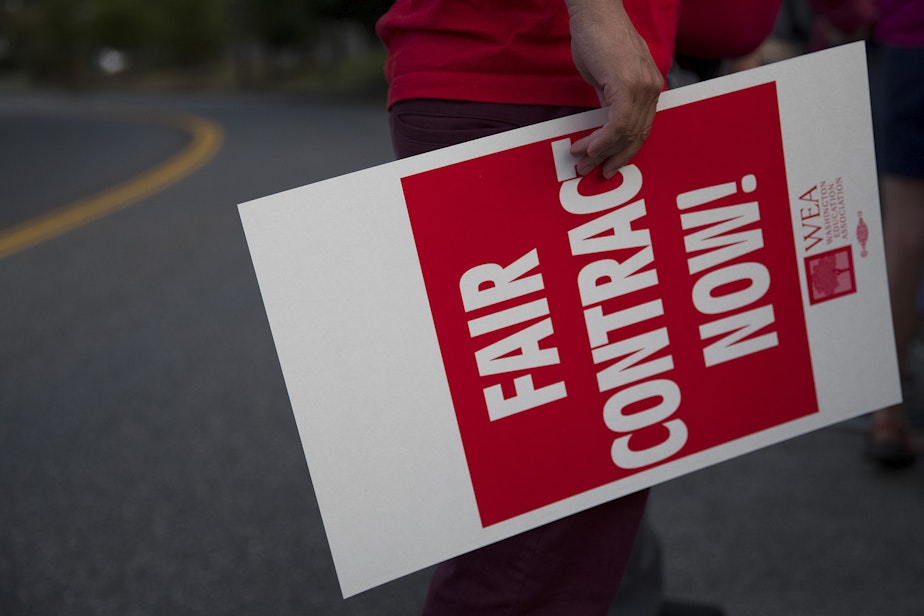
(149, 462)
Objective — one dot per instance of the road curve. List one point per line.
(205, 140)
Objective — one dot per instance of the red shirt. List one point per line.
(507, 51)
(719, 29)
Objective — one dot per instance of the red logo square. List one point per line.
(830, 275)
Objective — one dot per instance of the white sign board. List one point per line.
(476, 341)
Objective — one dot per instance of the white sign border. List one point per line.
(370, 398)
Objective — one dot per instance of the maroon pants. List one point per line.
(571, 567)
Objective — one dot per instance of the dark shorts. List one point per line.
(420, 125)
(897, 89)
(570, 567)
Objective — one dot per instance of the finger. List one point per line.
(613, 164)
(605, 146)
(629, 147)
(585, 163)
(616, 142)
(628, 144)
(579, 147)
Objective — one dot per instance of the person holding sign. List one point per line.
(462, 70)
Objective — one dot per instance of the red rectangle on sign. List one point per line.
(594, 328)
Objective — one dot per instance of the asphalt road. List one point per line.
(149, 460)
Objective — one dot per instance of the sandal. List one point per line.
(890, 441)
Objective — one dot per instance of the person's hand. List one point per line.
(615, 60)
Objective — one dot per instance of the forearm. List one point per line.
(615, 60)
(592, 5)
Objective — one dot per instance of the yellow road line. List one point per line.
(206, 140)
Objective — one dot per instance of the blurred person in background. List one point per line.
(894, 30)
(897, 89)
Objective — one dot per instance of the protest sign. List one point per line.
(477, 341)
